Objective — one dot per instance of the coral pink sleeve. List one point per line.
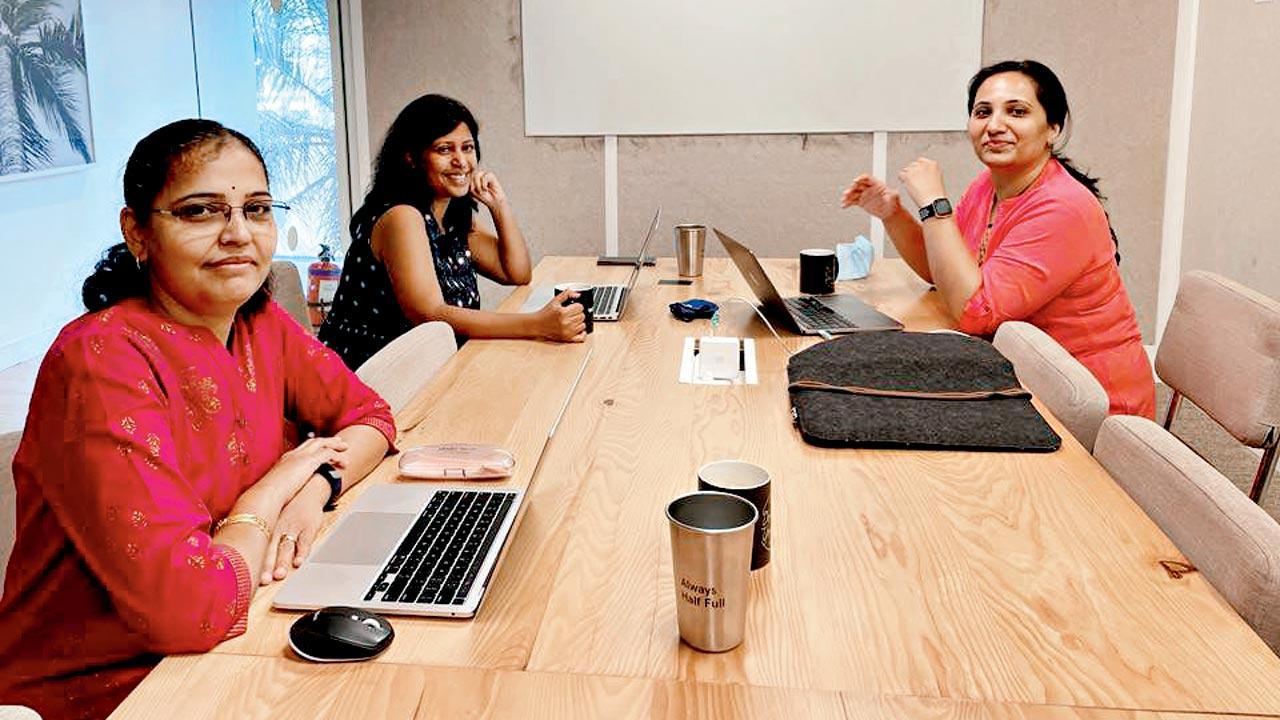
(109, 472)
(321, 391)
(1033, 264)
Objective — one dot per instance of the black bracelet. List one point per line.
(330, 473)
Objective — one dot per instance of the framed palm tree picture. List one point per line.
(44, 87)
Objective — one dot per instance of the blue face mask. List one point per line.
(695, 309)
(855, 258)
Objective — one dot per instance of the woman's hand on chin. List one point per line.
(486, 189)
(872, 195)
(923, 180)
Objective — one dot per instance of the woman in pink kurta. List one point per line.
(155, 416)
(1029, 240)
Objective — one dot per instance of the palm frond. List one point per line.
(59, 45)
(77, 31)
(47, 70)
(35, 146)
(23, 16)
(52, 90)
(295, 111)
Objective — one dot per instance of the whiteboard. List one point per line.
(658, 67)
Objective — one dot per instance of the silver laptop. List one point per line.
(414, 549)
(611, 300)
(807, 314)
(408, 549)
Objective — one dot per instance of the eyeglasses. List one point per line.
(218, 214)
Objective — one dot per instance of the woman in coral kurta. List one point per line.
(1028, 241)
(154, 487)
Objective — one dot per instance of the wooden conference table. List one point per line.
(904, 584)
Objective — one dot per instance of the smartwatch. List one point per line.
(938, 208)
(330, 473)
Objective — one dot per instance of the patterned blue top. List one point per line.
(366, 315)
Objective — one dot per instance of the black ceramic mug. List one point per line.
(751, 483)
(817, 271)
(586, 298)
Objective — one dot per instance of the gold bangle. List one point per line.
(249, 518)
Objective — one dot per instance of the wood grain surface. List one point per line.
(1008, 581)
(236, 686)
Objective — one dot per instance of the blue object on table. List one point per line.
(695, 309)
(855, 258)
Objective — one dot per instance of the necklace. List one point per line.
(986, 234)
(991, 216)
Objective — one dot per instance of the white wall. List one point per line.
(54, 228)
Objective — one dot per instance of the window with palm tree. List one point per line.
(296, 119)
(44, 88)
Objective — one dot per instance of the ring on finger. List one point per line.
(286, 537)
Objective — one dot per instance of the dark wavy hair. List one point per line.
(1053, 98)
(398, 177)
(156, 159)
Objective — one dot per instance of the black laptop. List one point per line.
(807, 314)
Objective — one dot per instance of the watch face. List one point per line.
(942, 207)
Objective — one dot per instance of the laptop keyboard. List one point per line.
(606, 300)
(438, 560)
(817, 315)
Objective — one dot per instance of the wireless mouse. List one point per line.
(340, 634)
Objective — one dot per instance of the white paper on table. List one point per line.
(691, 371)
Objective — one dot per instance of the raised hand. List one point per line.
(872, 195)
(923, 180)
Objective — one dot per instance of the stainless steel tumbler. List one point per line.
(691, 243)
(711, 537)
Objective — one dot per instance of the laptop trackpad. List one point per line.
(364, 538)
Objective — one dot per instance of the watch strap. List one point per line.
(940, 207)
(334, 478)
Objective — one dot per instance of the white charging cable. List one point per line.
(715, 320)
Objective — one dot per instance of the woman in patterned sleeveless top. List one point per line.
(415, 251)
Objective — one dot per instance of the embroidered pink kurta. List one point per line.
(1051, 262)
(141, 433)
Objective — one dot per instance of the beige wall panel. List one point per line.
(952, 151)
(471, 51)
(1115, 58)
(780, 191)
(775, 193)
(1233, 169)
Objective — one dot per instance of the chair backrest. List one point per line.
(398, 371)
(286, 284)
(1065, 386)
(8, 499)
(1221, 350)
(1234, 543)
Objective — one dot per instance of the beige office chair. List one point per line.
(286, 288)
(1232, 541)
(1065, 386)
(8, 499)
(1221, 351)
(398, 371)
